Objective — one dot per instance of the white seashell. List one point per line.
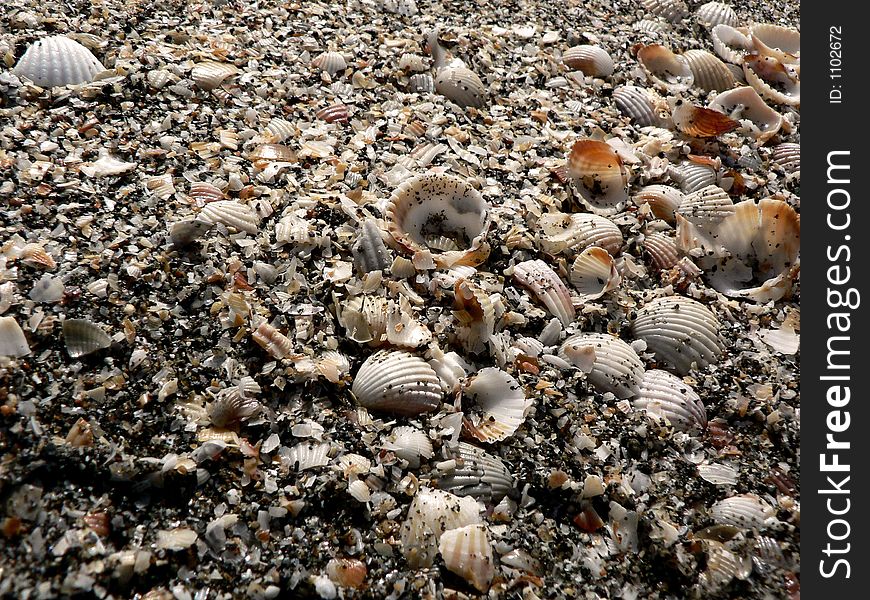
(231, 407)
(82, 337)
(731, 44)
(12, 340)
(413, 62)
(784, 339)
(599, 176)
(667, 397)
(615, 366)
(421, 83)
(403, 329)
(623, 527)
(410, 444)
(670, 10)
(636, 103)
(160, 78)
(665, 69)
(502, 401)
(405, 8)
(663, 200)
(592, 60)
(718, 473)
(58, 60)
(745, 105)
(679, 331)
(546, 284)
(780, 43)
(450, 367)
(402, 268)
(176, 539)
(693, 176)
(788, 157)
(187, 232)
(279, 130)
(365, 319)
(652, 27)
(273, 341)
(359, 491)
(716, 13)
(305, 455)
(398, 383)
(209, 75)
(780, 83)
(706, 208)
(432, 512)
(333, 365)
(477, 473)
(369, 251)
(745, 510)
(475, 310)
(467, 552)
(594, 273)
(453, 80)
(574, 232)
(330, 62)
(232, 214)
(708, 71)
(161, 186)
(106, 166)
(662, 249)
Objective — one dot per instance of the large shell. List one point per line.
(82, 337)
(330, 62)
(467, 552)
(667, 397)
(476, 473)
(438, 207)
(210, 74)
(744, 510)
(615, 366)
(599, 176)
(232, 214)
(594, 273)
(432, 512)
(773, 80)
(58, 60)
(636, 103)
(397, 382)
(502, 402)
(670, 10)
(663, 200)
(562, 232)
(679, 331)
(592, 60)
(730, 43)
(716, 13)
(709, 72)
(780, 43)
(546, 284)
(460, 85)
(410, 444)
(744, 104)
(665, 69)
(369, 251)
(12, 340)
(700, 122)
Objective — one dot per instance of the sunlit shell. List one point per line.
(210, 74)
(231, 213)
(432, 207)
(450, 367)
(679, 331)
(12, 340)
(546, 284)
(58, 60)
(474, 309)
(708, 71)
(745, 105)
(780, 43)
(365, 319)
(652, 27)
(500, 399)
(467, 552)
(107, 166)
(306, 455)
(432, 512)
(667, 397)
(398, 383)
(693, 176)
(594, 273)
(698, 121)
(413, 62)
(331, 114)
(599, 176)
(773, 80)
(663, 200)
(574, 232)
(460, 85)
(403, 329)
(347, 572)
(421, 83)
(614, 366)
(176, 539)
(788, 157)
(745, 510)
(202, 192)
(662, 249)
(706, 208)
(636, 103)
(410, 444)
(670, 10)
(273, 341)
(34, 255)
(330, 62)
(476, 473)
(731, 44)
(279, 130)
(266, 153)
(716, 13)
(369, 251)
(665, 69)
(592, 60)
(82, 337)
(231, 407)
(718, 473)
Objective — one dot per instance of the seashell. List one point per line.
(592, 60)
(450, 367)
(723, 565)
(665, 69)
(267, 153)
(667, 397)
(663, 200)
(405, 8)
(272, 341)
(477, 473)
(594, 273)
(623, 527)
(432, 512)
(615, 367)
(402, 268)
(369, 251)
(788, 157)
(82, 337)
(502, 402)
(679, 331)
(716, 13)
(779, 43)
(773, 80)
(410, 444)
(747, 511)
(635, 102)
(432, 207)
(670, 10)
(183, 233)
(56, 61)
(34, 255)
(730, 43)
(161, 186)
(306, 455)
(202, 192)
(744, 104)
(107, 166)
(403, 329)
(453, 80)
(474, 309)
(279, 130)
(176, 539)
(330, 62)
(365, 319)
(700, 122)
(561, 232)
(538, 277)
(652, 27)
(413, 62)
(421, 83)
(229, 139)
(693, 177)
(160, 78)
(231, 407)
(467, 552)
(331, 114)
(232, 214)
(662, 249)
(599, 176)
(708, 71)
(359, 491)
(718, 473)
(347, 572)
(12, 340)
(706, 208)
(397, 382)
(209, 75)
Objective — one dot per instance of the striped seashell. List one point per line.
(333, 365)
(160, 78)
(461, 86)
(668, 398)
(209, 75)
(365, 319)
(272, 153)
(611, 365)
(599, 176)
(592, 60)
(231, 407)
(652, 27)
(330, 62)
(747, 511)
(232, 214)
(403, 268)
(331, 114)
(471, 471)
(202, 192)
(305, 455)
(731, 43)
(693, 176)
(663, 200)
(698, 121)
(12, 340)
(161, 186)
(546, 284)
(369, 251)
(450, 367)
(718, 473)
(780, 83)
(229, 139)
(744, 104)
(398, 383)
(347, 572)
(82, 337)
(706, 208)
(636, 103)
(279, 130)
(708, 71)
(574, 232)
(34, 255)
(413, 62)
(779, 43)
(679, 331)
(409, 444)
(186, 232)
(403, 329)
(670, 10)
(474, 309)
(415, 129)
(359, 491)
(467, 552)
(788, 157)
(662, 250)
(665, 69)
(56, 61)
(432, 512)
(723, 565)
(421, 83)
(272, 341)
(716, 13)
(594, 273)
(502, 402)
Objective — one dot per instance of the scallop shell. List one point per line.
(330, 62)
(665, 69)
(592, 60)
(333, 113)
(413, 62)
(12, 340)
(460, 85)
(306, 455)
(716, 13)
(745, 510)
(788, 157)
(599, 176)
(730, 43)
(410, 444)
(82, 337)
(708, 71)
(431, 207)
(780, 43)
(663, 200)
(706, 208)
(594, 273)
(773, 80)
(667, 397)
(421, 83)
(562, 232)
(700, 122)
(679, 331)
(670, 10)
(744, 103)
(693, 177)
(202, 192)
(635, 102)
(502, 402)
(369, 251)
(58, 60)
(398, 383)
(474, 472)
(432, 512)
(232, 214)
(467, 552)
(662, 249)
(546, 284)
(210, 74)
(615, 366)
(652, 27)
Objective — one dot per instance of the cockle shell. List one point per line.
(82, 337)
(306, 455)
(210, 74)
(706, 208)
(718, 473)
(432, 512)
(369, 251)
(546, 284)
(594, 273)
(773, 80)
(330, 62)
(269, 153)
(34, 255)
(652, 27)
(202, 192)
(467, 552)
(272, 341)
(12, 340)
(716, 13)
(413, 62)
(745, 510)
(670, 10)
(788, 157)
(679, 331)
(698, 121)
(662, 249)
(450, 367)
(637, 103)
(334, 113)
(780, 43)
(421, 83)
(708, 71)
(232, 214)
(744, 104)
(599, 176)
(665, 69)
(398, 383)
(474, 472)
(730, 43)
(667, 397)
(230, 407)
(410, 444)
(501, 400)
(592, 60)
(663, 200)
(460, 85)
(58, 60)
(693, 176)
(614, 367)
(574, 232)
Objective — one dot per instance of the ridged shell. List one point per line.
(413, 62)
(693, 176)
(421, 83)
(477, 473)
(502, 402)
(700, 122)
(272, 153)
(272, 341)
(730, 43)
(679, 331)
(365, 319)
(410, 444)
(210, 74)
(230, 407)
(746, 510)
(665, 69)
(450, 367)
(615, 368)
(745, 103)
(306, 455)
(232, 214)
(707, 207)
(716, 13)
(202, 192)
(82, 337)
(652, 27)
(662, 249)
(788, 156)
(599, 176)
(279, 130)
(460, 85)
(780, 83)
(670, 10)
(432, 512)
(718, 473)
(398, 383)
(12, 340)
(667, 397)
(663, 200)
(369, 251)
(403, 329)
(709, 72)
(594, 273)
(34, 255)
(160, 78)
(723, 565)
(635, 102)
(474, 309)
(331, 62)
(592, 60)
(467, 552)
(546, 284)
(574, 232)
(333, 113)
(58, 60)
(780, 43)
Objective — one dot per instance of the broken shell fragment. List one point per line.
(546, 284)
(306, 455)
(272, 341)
(773, 80)
(663, 200)
(745, 510)
(599, 176)
(615, 366)
(433, 512)
(347, 572)
(369, 251)
(397, 382)
(777, 42)
(668, 398)
(665, 69)
(410, 444)
(468, 553)
(232, 214)
(474, 472)
(594, 273)
(82, 337)
(745, 105)
(592, 60)
(211, 74)
(638, 104)
(12, 340)
(670, 10)
(56, 61)
(502, 402)
(788, 157)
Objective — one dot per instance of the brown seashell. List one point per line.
(272, 153)
(599, 176)
(99, 523)
(665, 69)
(201, 193)
(273, 341)
(700, 122)
(744, 103)
(592, 60)
(663, 200)
(788, 157)
(347, 572)
(594, 273)
(331, 114)
(34, 255)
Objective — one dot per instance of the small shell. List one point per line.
(331, 114)
(744, 103)
(421, 83)
(369, 251)
(403, 329)
(592, 60)
(232, 214)
(12, 340)
(706, 208)
(693, 177)
(708, 71)
(716, 13)
(718, 473)
(187, 232)
(477, 473)
(460, 85)
(467, 552)
(279, 130)
(306, 455)
(176, 539)
(82, 337)
(231, 407)
(730, 44)
(788, 157)
(663, 200)
(594, 273)
(202, 192)
(652, 27)
(413, 62)
(574, 232)
(160, 78)
(502, 401)
(347, 572)
(58, 60)
(723, 565)
(636, 103)
(700, 122)
(665, 69)
(662, 249)
(34, 255)
(615, 366)
(666, 397)
(670, 10)
(273, 341)
(474, 309)
(779, 43)
(599, 176)
(773, 80)
(397, 382)
(745, 510)
(410, 444)
(432, 512)
(210, 74)
(679, 331)
(546, 284)
(450, 367)
(267, 153)
(331, 62)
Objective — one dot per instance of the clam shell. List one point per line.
(502, 402)
(330, 62)
(615, 367)
(708, 71)
(594, 273)
(599, 176)
(272, 153)
(592, 60)
(202, 192)
(662, 249)
(58, 60)
(474, 472)
(432, 512)
(546, 284)
(744, 103)
(652, 27)
(780, 43)
(210, 74)
(679, 331)
(421, 83)
(12, 340)
(718, 474)
(635, 102)
(663, 200)
(788, 157)
(693, 177)
(773, 80)
(273, 341)
(398, 383)
(82, 337)
(700, 122)
(747, 511)
(305, 455)
(231, 407)
(232, 214)
(562, 232)
(410, 444)
(716, 13)
(467, 552)
(670, 10)
(730, 43)
(706, 208)
(667, 397)
(665, 69)
(450, 367)
(369, 251)
(460, 85)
